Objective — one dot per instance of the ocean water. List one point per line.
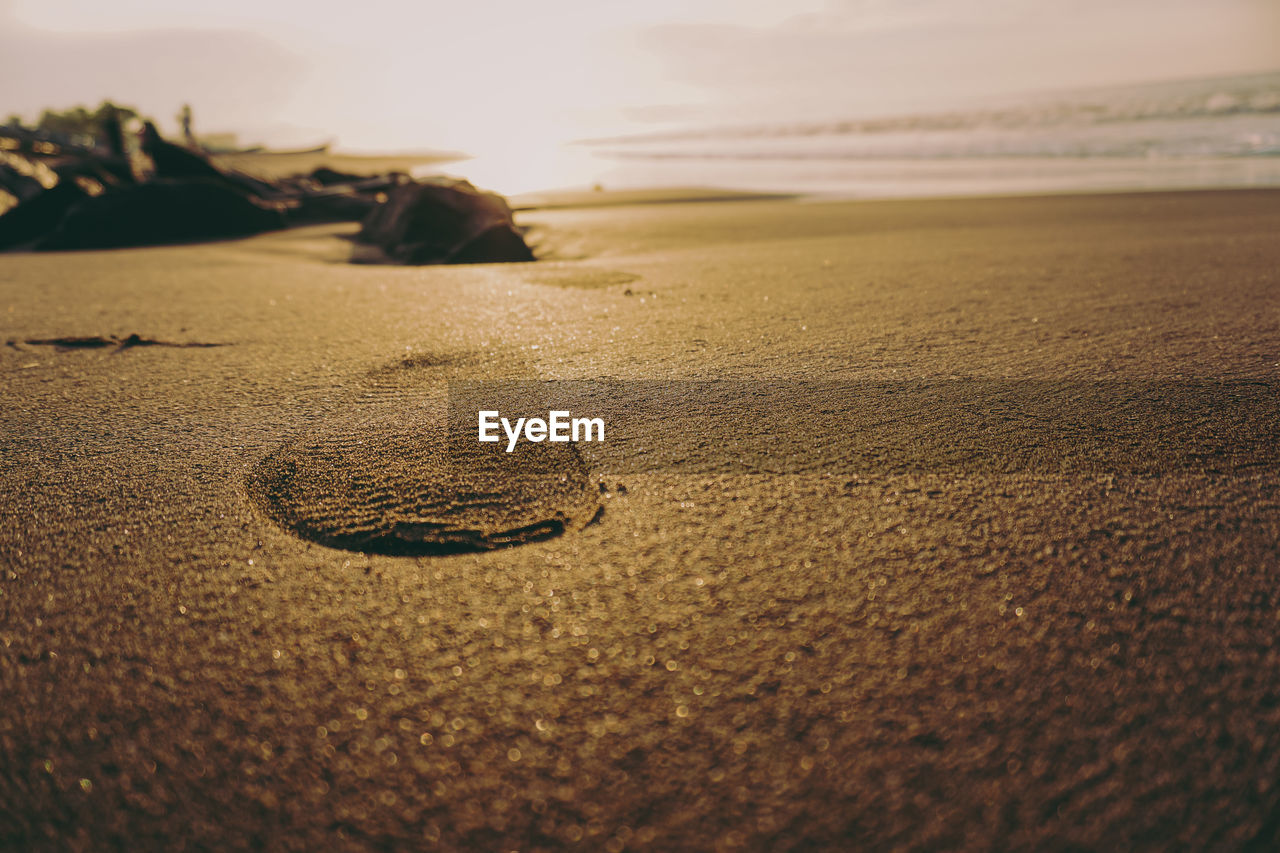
(1217, 132)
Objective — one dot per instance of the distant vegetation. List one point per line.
(80, 120)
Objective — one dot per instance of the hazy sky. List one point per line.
(483, 76)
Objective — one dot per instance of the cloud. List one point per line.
(875, 55)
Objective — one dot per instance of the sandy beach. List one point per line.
(1025, 598)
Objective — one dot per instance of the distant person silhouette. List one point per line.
(184, 118)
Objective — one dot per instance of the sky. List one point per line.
(491, 76)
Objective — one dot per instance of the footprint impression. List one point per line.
(394, 478)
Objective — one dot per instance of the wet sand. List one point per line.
(972, 620)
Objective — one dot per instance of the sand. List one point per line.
(1027, 597)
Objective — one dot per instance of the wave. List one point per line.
(1225, 116)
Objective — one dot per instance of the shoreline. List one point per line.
(900, 178)
(570, 197)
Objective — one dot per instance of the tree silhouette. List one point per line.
(80, 121)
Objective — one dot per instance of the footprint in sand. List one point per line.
(392, 479)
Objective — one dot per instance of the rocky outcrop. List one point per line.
(38, 215)
(58, 198)
(334, 204)
(444, 221)
(160, 212)
(20, 184)
(326, 177)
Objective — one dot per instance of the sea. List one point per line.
(1203, 133)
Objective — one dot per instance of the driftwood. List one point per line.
(61, 197)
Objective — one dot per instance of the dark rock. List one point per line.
(174, 161)
(177, 162)
(442, 221)
(499, 243)
(160, 212)
(18, 182)
(326, 177)
(107, 171)
(39, 214)
(338, 207)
